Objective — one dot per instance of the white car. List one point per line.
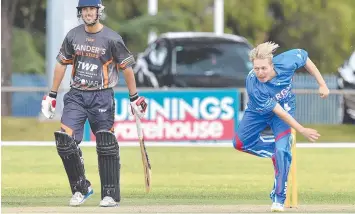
(346, 81)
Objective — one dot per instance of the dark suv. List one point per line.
(346, 81)
(194, 59)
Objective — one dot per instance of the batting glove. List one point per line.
(48, 104)
(138, 105)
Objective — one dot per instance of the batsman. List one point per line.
(97, 54)
(272, 103)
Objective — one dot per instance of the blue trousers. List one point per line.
(277, 147)
(98, 107)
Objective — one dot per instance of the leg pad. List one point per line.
(71, 156)
(109, 164)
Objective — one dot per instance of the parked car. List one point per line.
(346, 80)
(194, 59)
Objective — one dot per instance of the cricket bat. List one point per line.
(145, 159)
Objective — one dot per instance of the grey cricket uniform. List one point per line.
(96, 59)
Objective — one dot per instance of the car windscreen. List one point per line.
(218, 58)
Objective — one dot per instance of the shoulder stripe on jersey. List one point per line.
(64, 60)
(126, 61)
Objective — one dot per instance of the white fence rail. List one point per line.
(242, 90)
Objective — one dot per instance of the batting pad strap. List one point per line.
(65, 144)
(106, 144)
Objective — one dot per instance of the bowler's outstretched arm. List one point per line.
(310, 134)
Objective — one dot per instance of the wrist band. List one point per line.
(133, 97)
(53, 94)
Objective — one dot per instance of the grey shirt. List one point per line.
(96, 57)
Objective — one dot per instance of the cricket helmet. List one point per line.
(91, 3)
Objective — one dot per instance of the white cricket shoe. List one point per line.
(108, 201)
(79, 198)
(277, 207)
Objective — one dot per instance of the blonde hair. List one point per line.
(263, 51)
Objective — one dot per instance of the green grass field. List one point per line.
(33, 130)
(34, 176)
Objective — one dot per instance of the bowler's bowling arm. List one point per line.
(283, 115)
(313, 70)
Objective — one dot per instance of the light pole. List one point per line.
(152, 10)
(218, 17)
(61, 17)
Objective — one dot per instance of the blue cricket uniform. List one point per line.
(262, 100)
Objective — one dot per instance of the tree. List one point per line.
(29, 34)
(31, 60)
(7, 18)
(251, 19)
(324, 28)
(131, 20)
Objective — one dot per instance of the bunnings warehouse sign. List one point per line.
(186, 115)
